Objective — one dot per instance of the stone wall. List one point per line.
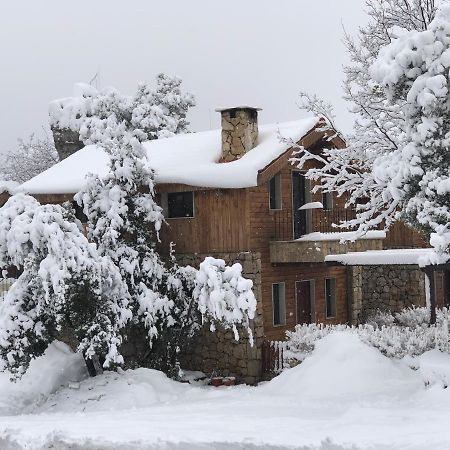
(66, 141)
(384, 288)
(218, 352)
(239, 132)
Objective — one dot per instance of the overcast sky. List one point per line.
(228, 52)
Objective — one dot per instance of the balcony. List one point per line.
(314, 246)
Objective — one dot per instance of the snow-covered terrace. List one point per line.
(191, 159)
(408, 256)
(316, 247)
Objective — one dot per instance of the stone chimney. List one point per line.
(239, 131)
(67, 141)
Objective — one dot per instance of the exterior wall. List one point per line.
(265, 227)
(385, 288)
(402, 236)
(220, 224)
(218, 352)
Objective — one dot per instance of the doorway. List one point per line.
(305, 301)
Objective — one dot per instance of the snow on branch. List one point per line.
(224, 296)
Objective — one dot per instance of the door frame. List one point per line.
(312, 299)
(308, 224)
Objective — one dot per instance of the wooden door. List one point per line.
(304, 293)
(298, 200)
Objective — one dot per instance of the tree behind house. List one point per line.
(33, 156)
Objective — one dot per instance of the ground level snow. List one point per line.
(345, 395)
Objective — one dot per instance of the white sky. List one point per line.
(228, 52)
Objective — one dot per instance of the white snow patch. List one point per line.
(342, 236)
(311, 205)
(58, 367)
(412, 256)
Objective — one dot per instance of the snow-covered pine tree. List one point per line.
(414, 70)
(64, 282)
(158, 112)
(358, 171)
(124, 220)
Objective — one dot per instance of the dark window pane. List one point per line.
(180, 204)
(276, 304)
(330, 296)
(327, 201)
(275, 192)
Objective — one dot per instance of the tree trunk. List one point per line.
(429, 272)
(93, 366)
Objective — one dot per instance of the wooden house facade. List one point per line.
(266, 217)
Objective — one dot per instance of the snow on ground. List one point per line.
(346, 395)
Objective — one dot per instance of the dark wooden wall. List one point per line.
(263, 228)
(220, 224)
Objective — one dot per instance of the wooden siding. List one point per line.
(264, 227)
(220, 224)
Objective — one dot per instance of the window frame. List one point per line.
(282, 322)
(165, 204)
(333, 296)
(327, 201)
(278, 193)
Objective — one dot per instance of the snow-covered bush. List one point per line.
(64, 281)
(224, 296)
(407, 333)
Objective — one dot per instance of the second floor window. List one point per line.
(327, 201)
(180, 204)
(278, 304)
(275, 192)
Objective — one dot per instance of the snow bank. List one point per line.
(343, 368)
(190, 159)
(129, 389)
(58, 367)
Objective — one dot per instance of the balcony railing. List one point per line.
(317, 220)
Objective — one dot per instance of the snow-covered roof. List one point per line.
(404, 256)
(190, 159)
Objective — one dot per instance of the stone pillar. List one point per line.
(67, 142)
(239, 131)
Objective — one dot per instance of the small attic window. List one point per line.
(180, 204)
(275, 192)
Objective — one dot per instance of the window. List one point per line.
(180, 204)
(275, 192)
(330, 297)
(278, 304)
(327, 201)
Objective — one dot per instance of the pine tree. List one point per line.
(63, 282)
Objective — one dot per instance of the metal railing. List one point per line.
(317, 220)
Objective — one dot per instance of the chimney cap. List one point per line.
(238, 107)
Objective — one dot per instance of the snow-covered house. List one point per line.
(233, 194)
